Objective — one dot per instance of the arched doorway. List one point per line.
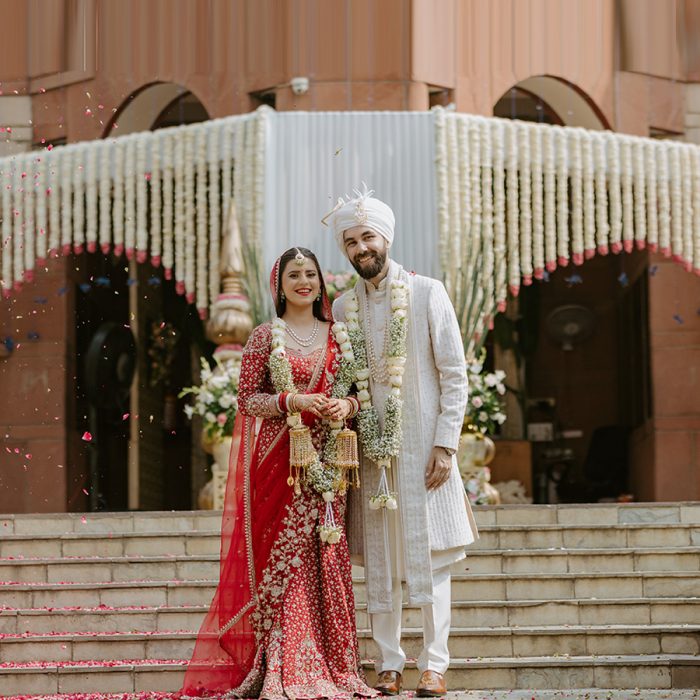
(149, 462)
(549, 100)
(576, 402)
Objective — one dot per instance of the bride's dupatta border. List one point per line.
(247, 439)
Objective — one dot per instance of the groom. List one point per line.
(428, 521)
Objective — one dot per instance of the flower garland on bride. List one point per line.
(380, 446)
(322, 473)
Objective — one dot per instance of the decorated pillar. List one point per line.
(229, 326)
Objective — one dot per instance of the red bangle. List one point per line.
(355, 406)
(282, 401)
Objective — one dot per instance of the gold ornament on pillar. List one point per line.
(230, 322)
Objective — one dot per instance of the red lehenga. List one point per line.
(282, 622)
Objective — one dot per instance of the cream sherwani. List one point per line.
(430, 529)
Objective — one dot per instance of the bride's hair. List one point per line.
(281, 302)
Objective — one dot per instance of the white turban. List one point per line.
(361, 210)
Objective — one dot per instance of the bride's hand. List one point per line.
(337, 409)
(313, 403)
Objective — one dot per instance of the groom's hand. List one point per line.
(439, 468)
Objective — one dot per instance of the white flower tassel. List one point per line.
(537, 205)
(329, 531)
(525, 169)
(130, 197)
(640, 207)
(441, 160)
(29, 229)
(696, 210)
(18, 226)
(214, 215)
(651, 170)
(577, 247)
(383, 498)
(688, 230)
(79, 200)
(589, 241)
(179, 202)
(53, 192)
(550, 196)
(627, 195)
(66, 204)
(7, 271)
(141, 199)
(91, 199)
(453, 213)
(676, 202)
(562, 197)
(156, 204)
(601, 195)
(42, 239)
(615, 190)
(513, 215)
(231, 145)
(118, 204)
(487, 229)
(202, 251)
(190, 222)
(664, 201)
(168, 221)
(452, 267)
(105, 198)
(499, 217)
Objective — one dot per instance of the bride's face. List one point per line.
(301, 283)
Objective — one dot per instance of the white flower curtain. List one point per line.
(160, 196)
(509, 200)
(516, 200)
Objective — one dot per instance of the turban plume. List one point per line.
(361, 210)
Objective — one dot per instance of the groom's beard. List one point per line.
(371, 265)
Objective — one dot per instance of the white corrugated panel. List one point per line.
(315, 157)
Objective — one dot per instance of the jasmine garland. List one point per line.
(380, 448)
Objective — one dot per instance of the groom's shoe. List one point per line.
(388, 683)
(431, 685)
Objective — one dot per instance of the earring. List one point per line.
(319, 296)
(282, 296)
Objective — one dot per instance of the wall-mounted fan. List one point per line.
(570, 325)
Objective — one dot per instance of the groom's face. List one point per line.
(366, 250)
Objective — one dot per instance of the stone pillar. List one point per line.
(35, 474)
(15, 125)
(673, 436)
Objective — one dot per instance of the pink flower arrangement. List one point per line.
(338, 282)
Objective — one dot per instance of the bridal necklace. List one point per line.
(304, 342)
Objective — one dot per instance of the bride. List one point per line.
(282, 621)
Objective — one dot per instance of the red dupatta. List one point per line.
(257, 497)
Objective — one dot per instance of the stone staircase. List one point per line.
(551, 597)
